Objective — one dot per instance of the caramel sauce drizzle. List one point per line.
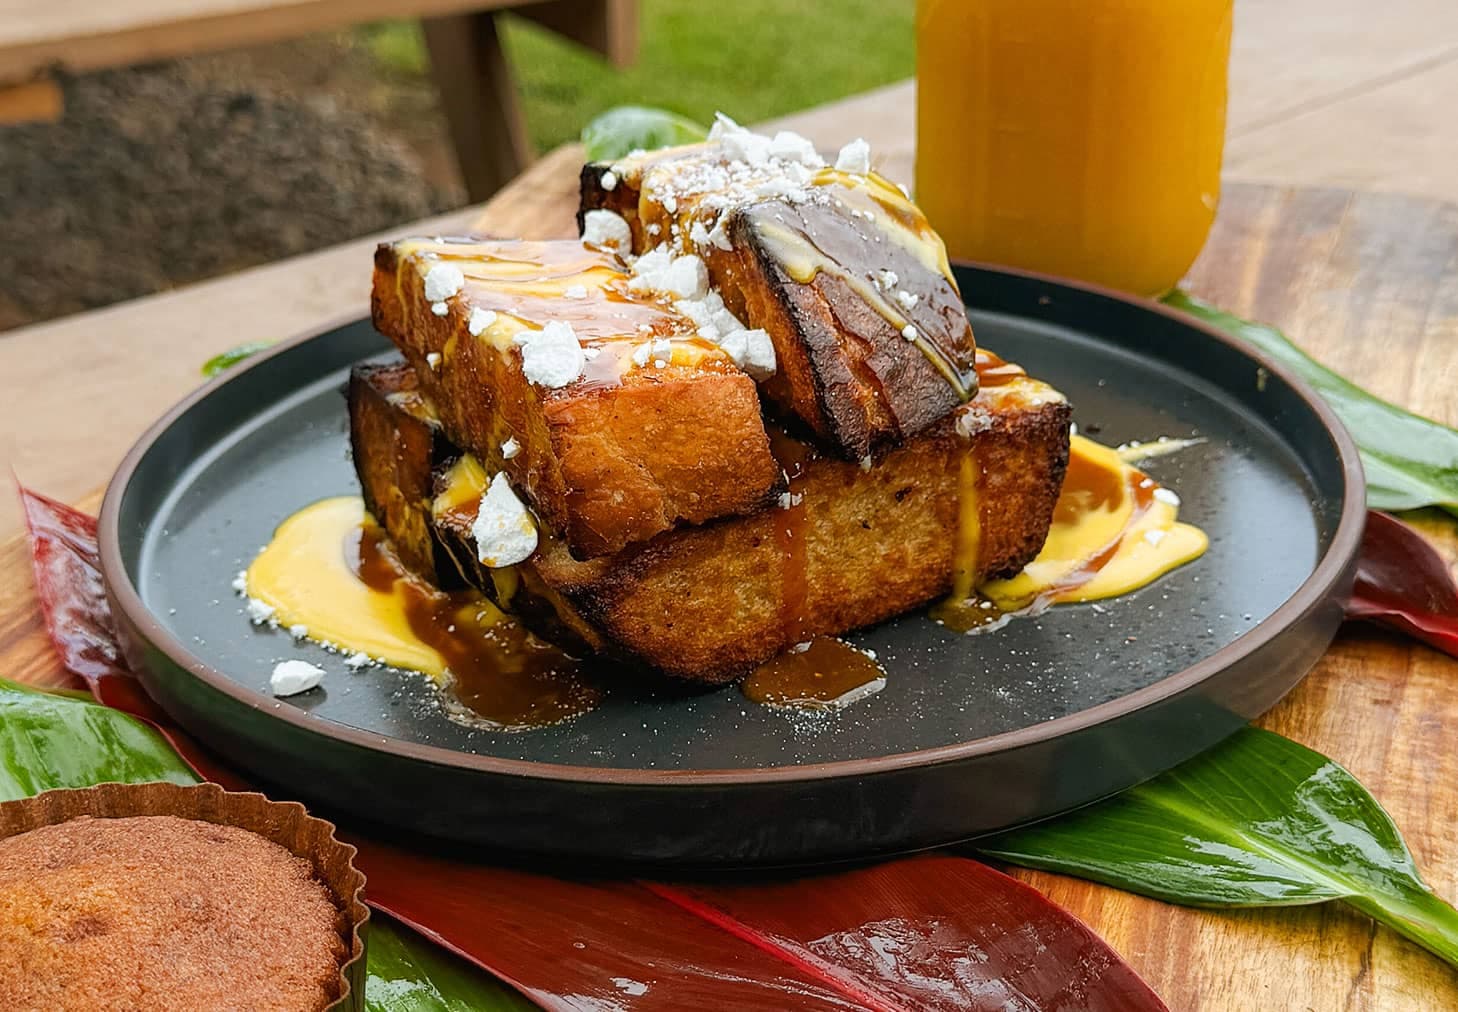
(870, 198)
(525, 284)
(498, 672)
(790, 533)
(803, 258)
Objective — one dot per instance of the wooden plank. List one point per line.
(479, 98)
(79, 35)
(1399, 136)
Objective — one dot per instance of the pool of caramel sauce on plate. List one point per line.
(499, 672)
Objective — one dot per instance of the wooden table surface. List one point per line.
(1366, 282)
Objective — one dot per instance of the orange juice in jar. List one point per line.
(1075, 138)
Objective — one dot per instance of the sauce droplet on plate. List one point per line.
(824, 674)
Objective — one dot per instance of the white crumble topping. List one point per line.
(1167, 496)
(655, 228)
(740, 165)
(866, 462)
(906, 300)
(720, 238)
(504, 530)
(678, 277)
(479, 320)
(855, 157)
(432, 359)
(712, 317)
(909, 332)
(607, 229)
(240, 582)
(357, 660)
(260, 612)
(887, 280)
(292, 677)
(299, 631)
(552, 356)
(510, 448)
(608, 180)
(439, 308)
(791, 147)
(659, 350)
(752, 351)
(442, 281)
(575, 292)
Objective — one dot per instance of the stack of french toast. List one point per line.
(743, 410)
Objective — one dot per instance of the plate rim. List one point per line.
(1313, 592)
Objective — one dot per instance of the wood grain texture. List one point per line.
(1367, 283)
(80, 35)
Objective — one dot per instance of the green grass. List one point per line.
(753, 59)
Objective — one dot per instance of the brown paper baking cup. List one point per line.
(286, 823)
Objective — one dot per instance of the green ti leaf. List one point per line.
(52, 740)
(408, 974)
(1410, 461)
(628, 128)
(1256, 821)
(58, 740)
(226, 360)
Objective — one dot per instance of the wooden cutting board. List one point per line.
(1369, 284)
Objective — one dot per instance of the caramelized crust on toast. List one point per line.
(835, 273)
(398, 447)
(635, 445)
(853, 546)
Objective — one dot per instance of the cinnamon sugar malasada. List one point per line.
(158, 912)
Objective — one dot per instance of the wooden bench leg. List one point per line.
(479, 99)
(608, 27)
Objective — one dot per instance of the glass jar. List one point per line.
(1075, 138)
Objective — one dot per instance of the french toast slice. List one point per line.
(838, 266)
(849, 547)
(388, 410)
(603, 405)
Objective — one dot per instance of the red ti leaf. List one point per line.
(67, 569)
(894, 929)
(68, 586)
(929, 932)
(1404, 583)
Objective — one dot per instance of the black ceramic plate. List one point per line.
(971, 734)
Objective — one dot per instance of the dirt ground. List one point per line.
(165, 174)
